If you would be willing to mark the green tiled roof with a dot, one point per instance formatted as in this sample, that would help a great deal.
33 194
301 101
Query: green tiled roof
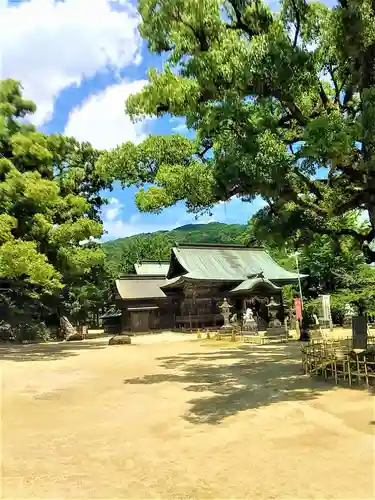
140 288
250 284
151 268
226 263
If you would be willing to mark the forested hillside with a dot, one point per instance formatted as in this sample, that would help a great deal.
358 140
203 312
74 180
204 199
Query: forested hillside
157 245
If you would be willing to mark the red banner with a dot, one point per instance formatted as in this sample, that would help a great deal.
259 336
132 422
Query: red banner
298 306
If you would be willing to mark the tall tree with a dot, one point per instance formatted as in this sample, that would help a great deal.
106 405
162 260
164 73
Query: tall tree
325 261
357 288
151 247
49 204
283 105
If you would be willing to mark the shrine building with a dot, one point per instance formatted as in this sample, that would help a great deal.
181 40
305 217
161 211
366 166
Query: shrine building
186 292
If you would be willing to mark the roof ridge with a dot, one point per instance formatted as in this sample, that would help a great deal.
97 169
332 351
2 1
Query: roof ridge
218 245
140 277
153 262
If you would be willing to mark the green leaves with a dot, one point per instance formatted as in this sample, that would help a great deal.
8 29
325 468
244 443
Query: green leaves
155 98
7 224
138 164
72 233
30 147
155 247
358 289
329 137
49 204
273 99
22 258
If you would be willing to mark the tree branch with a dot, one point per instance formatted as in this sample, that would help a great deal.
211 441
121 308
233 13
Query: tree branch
199 34
314 189
331 72
284 121
321 229
348 96
239 24
206 146
371 235
349 171
323 95
351 204
292 107
298 23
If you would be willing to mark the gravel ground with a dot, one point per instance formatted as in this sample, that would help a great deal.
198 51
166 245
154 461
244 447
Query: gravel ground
186 419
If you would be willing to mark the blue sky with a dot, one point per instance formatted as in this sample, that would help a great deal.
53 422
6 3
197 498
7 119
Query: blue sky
79 60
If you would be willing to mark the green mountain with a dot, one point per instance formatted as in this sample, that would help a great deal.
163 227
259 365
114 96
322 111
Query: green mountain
213 232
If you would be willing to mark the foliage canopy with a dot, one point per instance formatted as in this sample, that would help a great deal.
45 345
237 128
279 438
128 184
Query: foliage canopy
282 105
49 204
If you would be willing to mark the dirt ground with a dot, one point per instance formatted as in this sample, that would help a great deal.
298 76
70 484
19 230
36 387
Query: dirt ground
187 419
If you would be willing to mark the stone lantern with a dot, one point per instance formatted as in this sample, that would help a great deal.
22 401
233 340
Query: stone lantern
273 308
225 308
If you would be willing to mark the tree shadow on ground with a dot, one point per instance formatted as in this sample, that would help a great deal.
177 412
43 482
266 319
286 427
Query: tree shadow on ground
48 351
233 380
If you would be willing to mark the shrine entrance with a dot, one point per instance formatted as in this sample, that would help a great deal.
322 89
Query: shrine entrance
143 319
140 321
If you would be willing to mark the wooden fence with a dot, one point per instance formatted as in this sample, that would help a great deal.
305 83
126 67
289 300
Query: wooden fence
335 359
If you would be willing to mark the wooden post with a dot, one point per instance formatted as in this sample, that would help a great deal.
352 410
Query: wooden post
365 369
335 368
358 370
349 371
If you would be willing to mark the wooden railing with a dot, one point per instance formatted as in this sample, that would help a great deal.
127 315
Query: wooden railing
335 359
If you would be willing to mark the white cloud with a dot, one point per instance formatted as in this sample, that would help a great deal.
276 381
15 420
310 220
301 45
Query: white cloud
178 125
101 119
120 228
116 226
112 211
50 45
113 201
232 212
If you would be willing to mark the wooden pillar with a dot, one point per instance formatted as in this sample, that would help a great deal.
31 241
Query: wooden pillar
281 308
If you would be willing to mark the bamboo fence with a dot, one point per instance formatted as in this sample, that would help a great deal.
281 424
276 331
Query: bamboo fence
335 359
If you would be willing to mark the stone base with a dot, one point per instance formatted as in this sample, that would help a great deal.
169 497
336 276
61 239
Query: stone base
227 327
315 333
75 336
323 323
120 339
276 331
251 326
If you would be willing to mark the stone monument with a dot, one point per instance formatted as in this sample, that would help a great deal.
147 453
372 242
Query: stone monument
69 332
325 312
359 332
